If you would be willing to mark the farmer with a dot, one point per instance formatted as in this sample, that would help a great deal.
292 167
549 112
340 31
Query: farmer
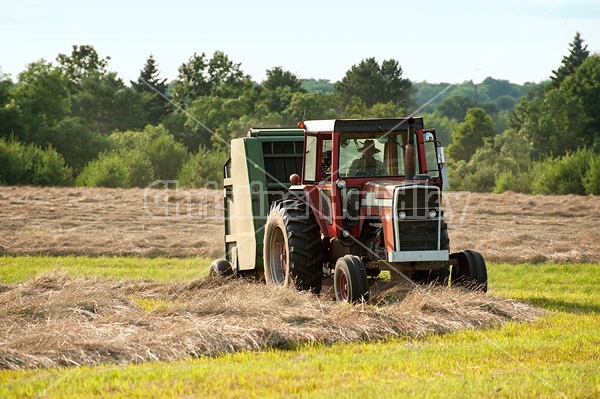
367 164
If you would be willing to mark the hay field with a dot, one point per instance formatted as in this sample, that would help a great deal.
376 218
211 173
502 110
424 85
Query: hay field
60 320
97 221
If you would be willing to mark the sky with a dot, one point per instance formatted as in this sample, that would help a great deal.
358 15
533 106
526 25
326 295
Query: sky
433 40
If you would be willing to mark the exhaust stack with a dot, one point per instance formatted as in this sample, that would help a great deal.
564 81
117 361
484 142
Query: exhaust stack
410 155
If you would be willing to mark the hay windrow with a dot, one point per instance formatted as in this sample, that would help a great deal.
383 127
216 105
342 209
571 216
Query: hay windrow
58 320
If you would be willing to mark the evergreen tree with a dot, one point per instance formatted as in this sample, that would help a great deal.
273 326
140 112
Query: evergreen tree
154 90
577 54
583 88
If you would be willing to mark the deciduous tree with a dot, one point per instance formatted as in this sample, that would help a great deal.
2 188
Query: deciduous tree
83 61
106 104
10 123
374 83
277 77
218 76
470 134
42 100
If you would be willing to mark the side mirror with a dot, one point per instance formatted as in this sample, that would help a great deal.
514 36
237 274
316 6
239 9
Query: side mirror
440 155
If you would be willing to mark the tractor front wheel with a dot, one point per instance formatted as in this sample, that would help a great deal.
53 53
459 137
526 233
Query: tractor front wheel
292 249
350 280
470 271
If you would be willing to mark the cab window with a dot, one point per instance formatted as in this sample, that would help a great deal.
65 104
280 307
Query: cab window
310 159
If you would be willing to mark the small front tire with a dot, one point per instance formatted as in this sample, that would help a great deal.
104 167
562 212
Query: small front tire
471 270
350 280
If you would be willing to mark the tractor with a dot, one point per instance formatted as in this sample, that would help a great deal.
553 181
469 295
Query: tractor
346 198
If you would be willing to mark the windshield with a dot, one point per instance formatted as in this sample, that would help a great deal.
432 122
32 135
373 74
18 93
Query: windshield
372 154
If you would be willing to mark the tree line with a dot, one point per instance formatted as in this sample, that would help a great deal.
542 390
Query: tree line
551 144
74 121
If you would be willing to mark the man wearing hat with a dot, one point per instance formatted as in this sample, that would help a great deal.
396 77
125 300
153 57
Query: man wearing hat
367 165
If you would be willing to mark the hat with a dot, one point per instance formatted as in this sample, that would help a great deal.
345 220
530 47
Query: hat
368 144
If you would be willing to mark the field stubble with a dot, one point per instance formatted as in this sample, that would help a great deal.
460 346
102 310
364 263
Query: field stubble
508 227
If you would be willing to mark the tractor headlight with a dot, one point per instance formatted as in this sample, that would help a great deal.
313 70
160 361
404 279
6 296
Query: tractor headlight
341 184
432 214
401 215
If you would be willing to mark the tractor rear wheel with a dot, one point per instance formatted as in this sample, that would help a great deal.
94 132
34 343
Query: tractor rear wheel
292 249
350 280
220 268
471 270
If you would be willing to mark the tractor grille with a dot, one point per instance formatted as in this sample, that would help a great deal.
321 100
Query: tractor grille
418 235
415 231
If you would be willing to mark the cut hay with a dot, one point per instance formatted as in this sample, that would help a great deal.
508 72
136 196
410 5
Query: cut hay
508 227
57 320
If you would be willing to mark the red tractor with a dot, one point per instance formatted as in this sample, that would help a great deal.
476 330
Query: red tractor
367 198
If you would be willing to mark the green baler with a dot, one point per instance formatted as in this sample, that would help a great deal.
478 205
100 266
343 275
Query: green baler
256 174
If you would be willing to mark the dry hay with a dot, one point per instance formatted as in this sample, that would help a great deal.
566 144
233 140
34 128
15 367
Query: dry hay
58 320
100 221
519 228
110 221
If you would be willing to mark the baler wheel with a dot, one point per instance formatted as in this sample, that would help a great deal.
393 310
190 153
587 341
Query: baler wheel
350 280
220 268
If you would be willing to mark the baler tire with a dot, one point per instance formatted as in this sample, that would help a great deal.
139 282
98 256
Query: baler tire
292 248
350 280
220 268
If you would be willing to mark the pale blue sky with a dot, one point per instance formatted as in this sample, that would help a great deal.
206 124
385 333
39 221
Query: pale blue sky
437 41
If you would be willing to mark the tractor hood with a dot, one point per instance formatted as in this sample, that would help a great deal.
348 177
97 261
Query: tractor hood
379 193
383 189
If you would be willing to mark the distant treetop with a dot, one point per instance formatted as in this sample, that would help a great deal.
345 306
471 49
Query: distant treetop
577 54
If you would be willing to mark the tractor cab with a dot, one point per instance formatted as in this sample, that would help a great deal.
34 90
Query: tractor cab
349 161
370 148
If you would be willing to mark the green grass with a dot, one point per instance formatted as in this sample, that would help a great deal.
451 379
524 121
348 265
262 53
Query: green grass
557 356
21 268
565 287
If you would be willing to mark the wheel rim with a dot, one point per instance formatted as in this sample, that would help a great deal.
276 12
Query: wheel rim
343 286
278 264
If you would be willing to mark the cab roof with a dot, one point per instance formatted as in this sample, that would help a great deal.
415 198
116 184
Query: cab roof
362 125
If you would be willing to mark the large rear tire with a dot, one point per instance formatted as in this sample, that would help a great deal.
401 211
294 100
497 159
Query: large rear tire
292 248
350 280
471 270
